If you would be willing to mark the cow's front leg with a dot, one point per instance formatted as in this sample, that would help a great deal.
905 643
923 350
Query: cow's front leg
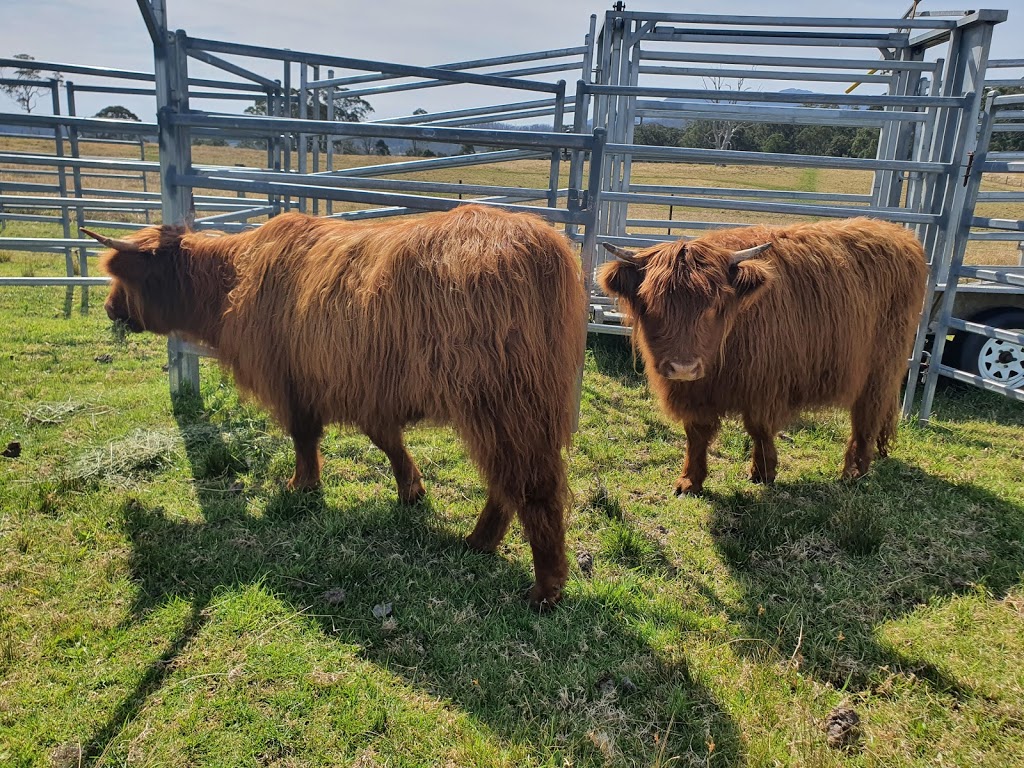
695 467
765 459
306 432
407 474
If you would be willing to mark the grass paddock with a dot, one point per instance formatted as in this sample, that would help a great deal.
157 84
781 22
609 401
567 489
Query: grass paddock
164 602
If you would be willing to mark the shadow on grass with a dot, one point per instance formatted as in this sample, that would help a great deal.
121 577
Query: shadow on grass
338 561
824 565
613 356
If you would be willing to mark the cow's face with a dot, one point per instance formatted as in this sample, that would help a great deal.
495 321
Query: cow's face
683 299
144 283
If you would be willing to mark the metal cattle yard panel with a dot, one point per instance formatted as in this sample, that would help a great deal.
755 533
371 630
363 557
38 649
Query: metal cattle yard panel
657 67
647 64
1000 358
300 134
639 66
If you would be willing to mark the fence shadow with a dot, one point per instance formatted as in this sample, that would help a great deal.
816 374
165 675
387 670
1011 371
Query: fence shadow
453 607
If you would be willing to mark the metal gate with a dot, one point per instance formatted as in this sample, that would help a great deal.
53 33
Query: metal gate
658 66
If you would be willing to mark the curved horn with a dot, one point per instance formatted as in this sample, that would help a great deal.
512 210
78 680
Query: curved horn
623 255
748 253
117 245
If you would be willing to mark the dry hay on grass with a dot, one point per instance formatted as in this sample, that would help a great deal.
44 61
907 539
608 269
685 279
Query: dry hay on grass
58 413
120 461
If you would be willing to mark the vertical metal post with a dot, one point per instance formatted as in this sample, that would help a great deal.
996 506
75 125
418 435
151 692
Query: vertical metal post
588 251
303 114
330 139
76 178
556 153
62 184
142 175
921 193
317 139
576 157
171 71
961 234
286 112
883 182
631 61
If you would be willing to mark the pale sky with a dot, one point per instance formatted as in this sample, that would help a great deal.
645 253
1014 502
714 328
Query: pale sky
111 32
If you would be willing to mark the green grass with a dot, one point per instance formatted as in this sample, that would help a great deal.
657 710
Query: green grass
164 602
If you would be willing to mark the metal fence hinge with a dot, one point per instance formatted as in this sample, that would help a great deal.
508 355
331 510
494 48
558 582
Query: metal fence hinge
970 165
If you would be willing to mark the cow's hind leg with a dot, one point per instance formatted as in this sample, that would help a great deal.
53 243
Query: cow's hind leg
695 466
306 430
542 515
530 482
492 525
873 421
765 459
407 474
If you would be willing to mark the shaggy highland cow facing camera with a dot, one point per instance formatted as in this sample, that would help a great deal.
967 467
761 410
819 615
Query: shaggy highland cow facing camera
473 318
765 322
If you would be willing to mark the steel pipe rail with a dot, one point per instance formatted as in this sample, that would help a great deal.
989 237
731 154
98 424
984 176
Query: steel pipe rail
274 125
261 52
799 209
735 157
435 163
838 99
891 65
927 22
363 196
779 115
781 194
355 182
55 281
557 53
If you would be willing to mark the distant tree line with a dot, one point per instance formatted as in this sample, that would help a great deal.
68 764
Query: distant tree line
1011 141
825 140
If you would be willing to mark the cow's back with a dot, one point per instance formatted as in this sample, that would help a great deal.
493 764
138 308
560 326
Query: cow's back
424 318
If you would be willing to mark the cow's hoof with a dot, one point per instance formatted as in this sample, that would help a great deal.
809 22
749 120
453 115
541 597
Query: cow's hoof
479 544
759 479
853 473
686 487
297 485
413 493
544 600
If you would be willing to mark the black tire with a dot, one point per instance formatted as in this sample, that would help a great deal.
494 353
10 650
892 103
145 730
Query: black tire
997 361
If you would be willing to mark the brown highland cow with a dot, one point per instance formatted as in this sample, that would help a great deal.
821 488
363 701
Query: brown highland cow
764 322
473 318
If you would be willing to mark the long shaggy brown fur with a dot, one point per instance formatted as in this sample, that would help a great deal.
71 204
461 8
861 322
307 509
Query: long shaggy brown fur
825 317
473 318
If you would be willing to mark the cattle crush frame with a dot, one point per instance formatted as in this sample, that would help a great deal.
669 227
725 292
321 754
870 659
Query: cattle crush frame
637 66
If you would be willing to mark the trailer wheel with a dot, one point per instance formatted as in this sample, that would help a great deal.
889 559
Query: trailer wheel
1000 362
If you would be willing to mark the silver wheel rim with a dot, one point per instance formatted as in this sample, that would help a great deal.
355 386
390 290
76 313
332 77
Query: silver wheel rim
1002 362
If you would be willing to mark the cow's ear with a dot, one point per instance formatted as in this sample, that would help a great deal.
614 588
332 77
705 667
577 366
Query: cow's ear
749 277
621 279
128 266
